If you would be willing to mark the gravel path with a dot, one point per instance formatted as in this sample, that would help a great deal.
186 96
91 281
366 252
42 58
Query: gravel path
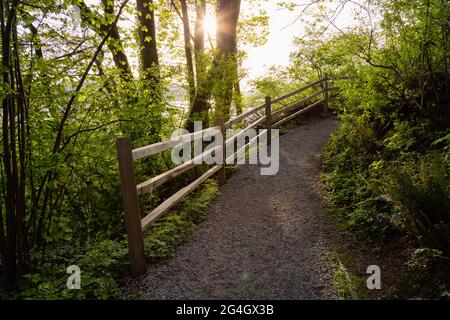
265 237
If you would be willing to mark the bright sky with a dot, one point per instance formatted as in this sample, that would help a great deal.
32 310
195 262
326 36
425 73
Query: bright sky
279 43
283 28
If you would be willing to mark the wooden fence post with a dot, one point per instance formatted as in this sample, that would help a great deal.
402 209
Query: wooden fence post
325 94
269 119
221 175
131 207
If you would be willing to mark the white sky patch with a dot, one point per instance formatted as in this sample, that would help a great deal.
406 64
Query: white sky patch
284 26
279 43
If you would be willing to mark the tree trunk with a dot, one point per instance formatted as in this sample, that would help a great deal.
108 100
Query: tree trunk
200 54
199 33
147 43
188 50
237 94
115 45
222 69
227 19
14 139
199 106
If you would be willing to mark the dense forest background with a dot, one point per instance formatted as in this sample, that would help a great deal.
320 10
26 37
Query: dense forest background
77 74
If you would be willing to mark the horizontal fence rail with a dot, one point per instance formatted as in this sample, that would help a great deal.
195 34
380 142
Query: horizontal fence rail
293 93
131 191
174 199
163 146
244 115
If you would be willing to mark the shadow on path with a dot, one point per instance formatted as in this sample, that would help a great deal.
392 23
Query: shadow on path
264 236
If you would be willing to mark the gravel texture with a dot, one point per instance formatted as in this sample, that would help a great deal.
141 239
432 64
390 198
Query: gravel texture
265 237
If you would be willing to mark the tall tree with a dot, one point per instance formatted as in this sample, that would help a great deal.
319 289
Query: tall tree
200 54
199 34
14 140
188 49
147 43
199 105
227 19
221 75
102 26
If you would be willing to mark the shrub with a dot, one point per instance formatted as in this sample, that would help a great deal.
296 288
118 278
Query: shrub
421 193
352 177
103 263
100 264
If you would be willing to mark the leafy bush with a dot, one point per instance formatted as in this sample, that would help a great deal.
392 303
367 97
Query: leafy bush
428 273
103 263
348 286
352 177
100 265
421 194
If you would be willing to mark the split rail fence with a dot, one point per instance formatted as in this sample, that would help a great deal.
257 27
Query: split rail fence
131 191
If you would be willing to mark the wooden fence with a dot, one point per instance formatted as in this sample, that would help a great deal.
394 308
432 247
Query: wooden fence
131 191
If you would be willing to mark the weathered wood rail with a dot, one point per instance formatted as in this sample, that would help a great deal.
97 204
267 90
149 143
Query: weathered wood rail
135 225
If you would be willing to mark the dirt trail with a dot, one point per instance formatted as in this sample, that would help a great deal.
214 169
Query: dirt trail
264 237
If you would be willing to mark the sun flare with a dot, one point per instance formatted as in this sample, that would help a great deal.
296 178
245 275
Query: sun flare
210 25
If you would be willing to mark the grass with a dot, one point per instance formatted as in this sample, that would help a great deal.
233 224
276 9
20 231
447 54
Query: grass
172 230
347 285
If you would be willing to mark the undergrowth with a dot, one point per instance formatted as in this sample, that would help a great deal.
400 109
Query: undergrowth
348 286
103 264
376 195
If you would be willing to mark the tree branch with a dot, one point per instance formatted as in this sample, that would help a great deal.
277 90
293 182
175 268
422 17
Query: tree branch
56 146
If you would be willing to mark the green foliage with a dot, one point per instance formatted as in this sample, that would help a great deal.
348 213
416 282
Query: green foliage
103 263
353 178
253 28
173 229
387 166
428 273
100 264
421 193
347 285
73 86
63 176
